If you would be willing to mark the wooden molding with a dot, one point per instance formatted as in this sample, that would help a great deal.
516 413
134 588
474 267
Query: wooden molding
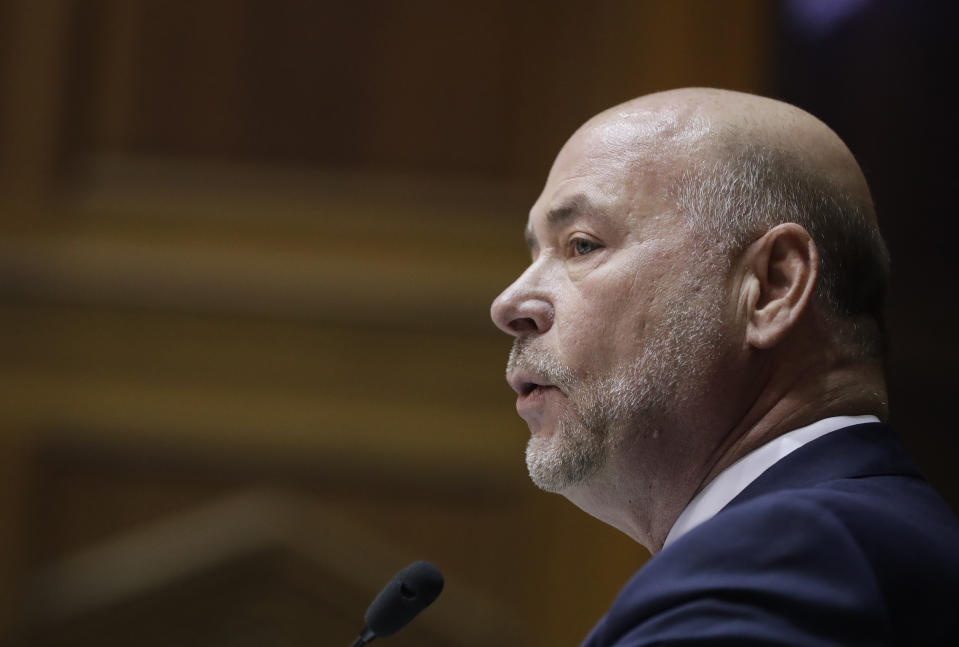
221 240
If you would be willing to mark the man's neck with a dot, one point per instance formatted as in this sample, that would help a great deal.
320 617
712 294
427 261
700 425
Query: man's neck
847 389
729 483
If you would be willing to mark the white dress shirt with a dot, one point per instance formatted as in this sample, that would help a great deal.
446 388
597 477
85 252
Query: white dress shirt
734 479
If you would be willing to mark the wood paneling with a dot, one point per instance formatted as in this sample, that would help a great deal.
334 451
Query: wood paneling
253 244
34 91
481 89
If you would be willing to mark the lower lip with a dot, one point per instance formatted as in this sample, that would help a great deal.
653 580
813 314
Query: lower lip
535 399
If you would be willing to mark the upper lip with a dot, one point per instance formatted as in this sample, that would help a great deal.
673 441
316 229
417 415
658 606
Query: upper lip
523 382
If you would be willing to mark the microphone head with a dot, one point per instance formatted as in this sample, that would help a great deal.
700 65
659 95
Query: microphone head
409 592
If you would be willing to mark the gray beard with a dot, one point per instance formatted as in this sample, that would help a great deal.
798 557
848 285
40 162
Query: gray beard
636 399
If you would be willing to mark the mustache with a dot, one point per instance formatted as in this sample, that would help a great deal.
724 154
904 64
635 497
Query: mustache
524 357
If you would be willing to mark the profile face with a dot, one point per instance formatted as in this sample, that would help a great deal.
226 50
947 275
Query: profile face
607 315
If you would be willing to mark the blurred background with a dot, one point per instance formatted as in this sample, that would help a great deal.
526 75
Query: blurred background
247 249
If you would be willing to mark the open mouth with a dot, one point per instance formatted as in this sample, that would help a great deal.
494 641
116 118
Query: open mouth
529 385
526 388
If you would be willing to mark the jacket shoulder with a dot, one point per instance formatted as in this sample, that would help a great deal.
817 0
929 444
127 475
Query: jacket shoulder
794 564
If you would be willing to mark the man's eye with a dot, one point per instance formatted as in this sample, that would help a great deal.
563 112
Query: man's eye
582 246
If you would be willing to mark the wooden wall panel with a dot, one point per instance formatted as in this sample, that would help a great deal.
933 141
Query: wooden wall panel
486 89
34 93
252 243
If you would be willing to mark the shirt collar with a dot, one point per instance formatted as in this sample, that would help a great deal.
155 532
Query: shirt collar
734 479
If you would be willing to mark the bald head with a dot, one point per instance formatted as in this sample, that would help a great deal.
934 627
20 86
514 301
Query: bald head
689 126
734 165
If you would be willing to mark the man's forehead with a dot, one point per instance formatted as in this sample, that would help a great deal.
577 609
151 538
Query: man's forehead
587 176
626 157
599 184
626 147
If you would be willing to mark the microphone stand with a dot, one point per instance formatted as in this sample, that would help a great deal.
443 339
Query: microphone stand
365 638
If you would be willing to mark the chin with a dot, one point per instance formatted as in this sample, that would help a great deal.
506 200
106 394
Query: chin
563 461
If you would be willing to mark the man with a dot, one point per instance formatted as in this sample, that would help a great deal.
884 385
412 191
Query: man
698 357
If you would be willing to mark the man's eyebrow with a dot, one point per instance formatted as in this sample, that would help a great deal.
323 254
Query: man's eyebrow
559 215
569 208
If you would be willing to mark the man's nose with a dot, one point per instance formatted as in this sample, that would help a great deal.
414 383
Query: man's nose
522 309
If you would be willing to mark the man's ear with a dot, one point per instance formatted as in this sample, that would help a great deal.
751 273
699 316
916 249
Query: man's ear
780 271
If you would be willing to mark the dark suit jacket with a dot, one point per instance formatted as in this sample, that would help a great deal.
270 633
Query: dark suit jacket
839 543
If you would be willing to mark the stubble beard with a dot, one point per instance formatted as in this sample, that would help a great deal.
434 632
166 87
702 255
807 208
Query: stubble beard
637 399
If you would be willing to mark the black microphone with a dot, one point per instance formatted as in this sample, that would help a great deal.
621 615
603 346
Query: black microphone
409 592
